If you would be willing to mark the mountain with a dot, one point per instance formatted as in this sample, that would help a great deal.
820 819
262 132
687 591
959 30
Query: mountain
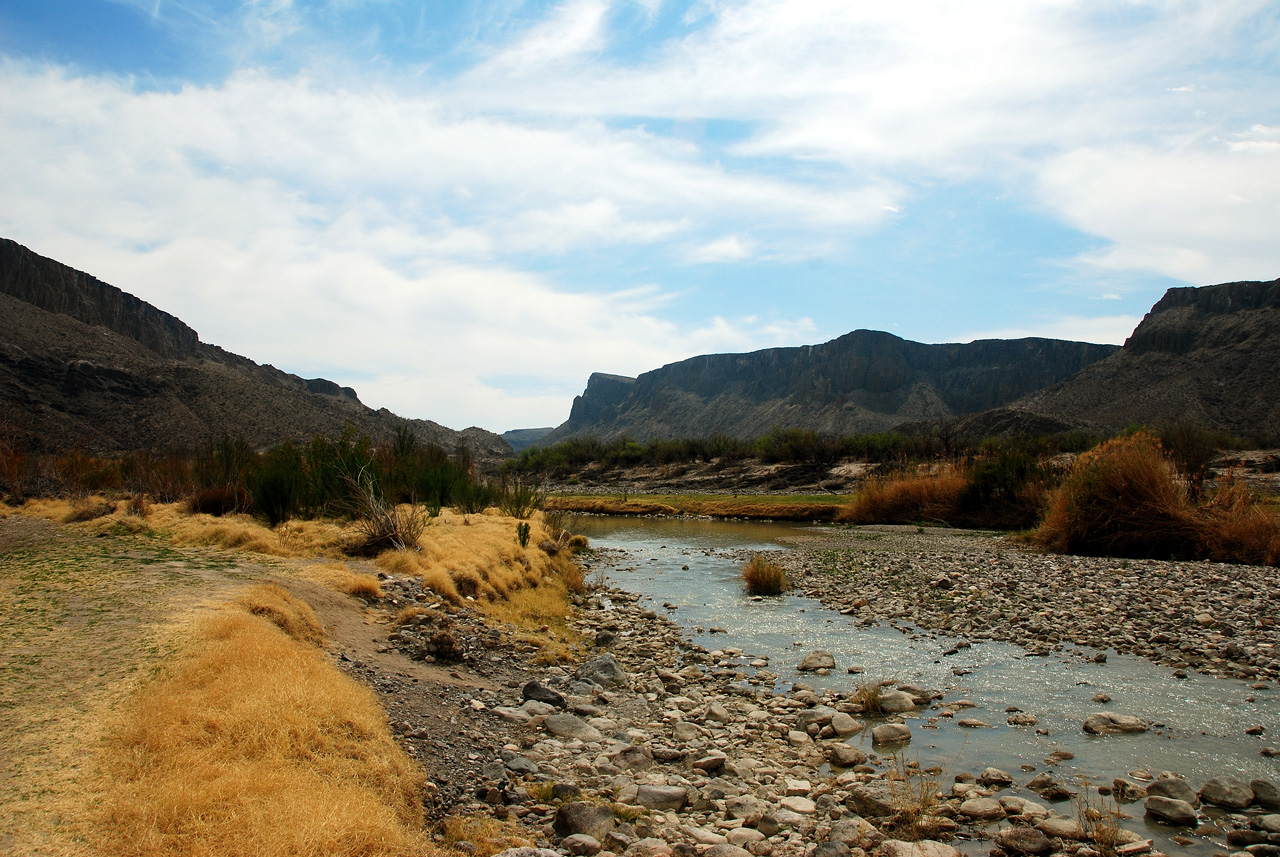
1207 355
525 438
84 365
864 381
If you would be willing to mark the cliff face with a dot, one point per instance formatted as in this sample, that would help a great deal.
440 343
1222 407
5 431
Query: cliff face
84 365
1207 355
864 381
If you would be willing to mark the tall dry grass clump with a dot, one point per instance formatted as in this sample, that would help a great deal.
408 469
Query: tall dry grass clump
763 577
909 500
251 744
1235 527
1121 498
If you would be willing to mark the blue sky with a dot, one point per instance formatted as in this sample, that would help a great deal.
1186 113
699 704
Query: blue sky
463 209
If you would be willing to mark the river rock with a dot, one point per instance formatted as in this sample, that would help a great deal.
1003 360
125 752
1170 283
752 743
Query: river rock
844 725
896 702
518 764
1265 793
726 850
650 846
856 832
877 799
891 733
603 670
923 848
982 808
685 731
1227 792
1028 809
525 851
536 690
744 836
581 845
571 726
819 716
832 848
1176 812
994 777
634 757
746 807
1061 827
1109 723
661 797
1126 792
817 660
845 755
1173 787
800 805
1269 823
1024 840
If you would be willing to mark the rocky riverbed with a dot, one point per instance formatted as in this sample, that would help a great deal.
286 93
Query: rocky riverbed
1210 617
657 746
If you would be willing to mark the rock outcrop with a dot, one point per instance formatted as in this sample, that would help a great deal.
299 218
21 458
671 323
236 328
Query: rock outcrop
865 381
84 365
1206 355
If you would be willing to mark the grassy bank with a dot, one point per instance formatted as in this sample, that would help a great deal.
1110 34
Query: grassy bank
757 507
163 697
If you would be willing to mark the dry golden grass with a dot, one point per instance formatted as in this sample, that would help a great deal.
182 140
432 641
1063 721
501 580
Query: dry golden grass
291 615
1236 527
340 578
910 500
251 743
485 833
763 577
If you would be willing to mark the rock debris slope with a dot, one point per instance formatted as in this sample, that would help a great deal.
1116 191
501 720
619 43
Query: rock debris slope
84 365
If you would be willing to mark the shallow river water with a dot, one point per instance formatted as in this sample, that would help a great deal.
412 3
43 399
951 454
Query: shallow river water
1201 721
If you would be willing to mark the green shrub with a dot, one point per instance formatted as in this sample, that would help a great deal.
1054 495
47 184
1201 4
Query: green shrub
517 499
278 483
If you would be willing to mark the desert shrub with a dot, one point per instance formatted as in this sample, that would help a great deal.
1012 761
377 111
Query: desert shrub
1121 499
278 484
138 506
88 509
869 695
909 500
763 577
1235 527
82 475
223 463
219 501
382 523
165 478
1191 448
522 534
473 497
1006 491
519 499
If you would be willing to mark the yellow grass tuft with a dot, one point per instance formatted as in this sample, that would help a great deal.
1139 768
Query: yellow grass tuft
763 577
291 615
909 500
252 743
488 835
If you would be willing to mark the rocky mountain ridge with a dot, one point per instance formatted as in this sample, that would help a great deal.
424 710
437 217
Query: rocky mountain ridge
85 365
1204 354
864 381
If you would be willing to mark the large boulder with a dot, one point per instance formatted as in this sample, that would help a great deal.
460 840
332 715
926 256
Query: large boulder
1179 813
604 671
661 797
1265 793
891 733
570 726
1110 723
1227 792
877 798
1024 840
815 661
589 819
1173 787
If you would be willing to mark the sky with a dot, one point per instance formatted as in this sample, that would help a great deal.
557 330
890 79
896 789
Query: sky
462 209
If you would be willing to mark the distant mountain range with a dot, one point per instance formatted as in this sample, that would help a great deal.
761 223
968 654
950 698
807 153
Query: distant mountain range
1208 355
84 365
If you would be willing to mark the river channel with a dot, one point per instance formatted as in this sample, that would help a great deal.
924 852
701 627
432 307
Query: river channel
696 565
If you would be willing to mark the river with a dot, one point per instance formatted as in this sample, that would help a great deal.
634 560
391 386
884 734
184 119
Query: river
695 565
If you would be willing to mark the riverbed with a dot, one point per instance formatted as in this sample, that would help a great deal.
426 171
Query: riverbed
694 568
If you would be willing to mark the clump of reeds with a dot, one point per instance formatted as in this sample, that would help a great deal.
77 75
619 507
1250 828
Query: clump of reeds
1121 498
764 577
908 500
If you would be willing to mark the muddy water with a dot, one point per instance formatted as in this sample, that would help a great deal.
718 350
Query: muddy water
1200 721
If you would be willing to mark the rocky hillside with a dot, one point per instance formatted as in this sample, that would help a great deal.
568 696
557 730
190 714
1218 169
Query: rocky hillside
865 381
1208 355
84 365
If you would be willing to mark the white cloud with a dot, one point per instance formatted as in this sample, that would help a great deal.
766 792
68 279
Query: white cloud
731 248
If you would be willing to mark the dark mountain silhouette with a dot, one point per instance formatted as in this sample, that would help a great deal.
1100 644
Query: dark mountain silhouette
84 365
864 381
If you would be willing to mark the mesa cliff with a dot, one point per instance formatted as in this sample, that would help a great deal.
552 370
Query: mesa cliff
864 381
87 366
1205 355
